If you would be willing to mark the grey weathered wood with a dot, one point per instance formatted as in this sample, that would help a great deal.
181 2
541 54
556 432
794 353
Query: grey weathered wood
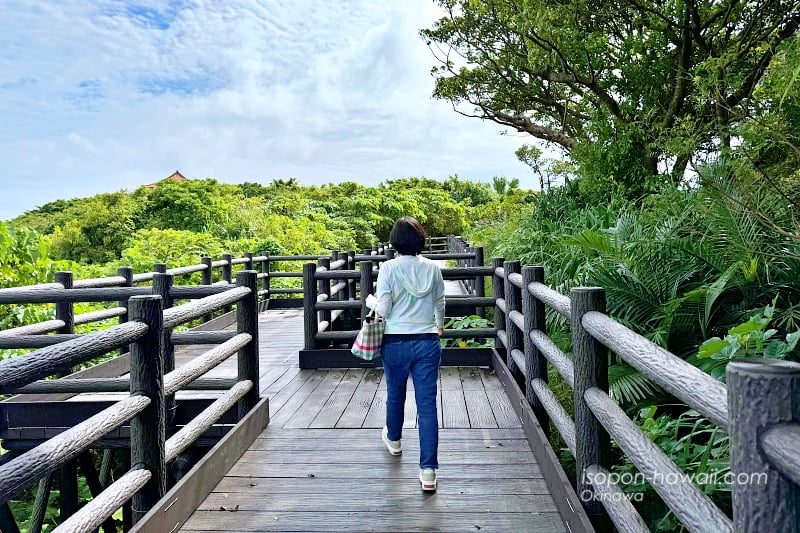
338 274
159 268
100 508
40 504
333 409
198 366
37 341
555 412
366 286
23 369
779 444
121 384
570 510
592 444
148 427
247 324
181 271
207 279
65 311
96 316
681 379
46 457
689 503
533 312
144 276
23 289
619 507
324 288
162 285
201 337
310 325
339 304
189 433
554 299
43 296
95 487
498 290
264 275
189 311
227 275
555 356
7 521
33 329
184 292
182 499
68 489
126 273
762 393
112 281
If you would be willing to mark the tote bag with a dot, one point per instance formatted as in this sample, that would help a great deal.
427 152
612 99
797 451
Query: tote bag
367 345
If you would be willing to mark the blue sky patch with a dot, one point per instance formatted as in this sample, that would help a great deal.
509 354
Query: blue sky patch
149 17
198 85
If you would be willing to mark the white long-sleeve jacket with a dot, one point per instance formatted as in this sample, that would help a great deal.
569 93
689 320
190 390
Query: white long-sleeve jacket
410 294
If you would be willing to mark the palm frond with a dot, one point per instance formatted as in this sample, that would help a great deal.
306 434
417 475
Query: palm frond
629 386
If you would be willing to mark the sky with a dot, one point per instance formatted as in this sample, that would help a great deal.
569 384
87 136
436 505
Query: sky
99 96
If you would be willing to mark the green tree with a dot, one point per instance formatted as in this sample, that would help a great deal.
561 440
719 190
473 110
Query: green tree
625 88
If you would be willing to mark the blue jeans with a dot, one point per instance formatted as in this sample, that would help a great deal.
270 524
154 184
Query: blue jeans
420 356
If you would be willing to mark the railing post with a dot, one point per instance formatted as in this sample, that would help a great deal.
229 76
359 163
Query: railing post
249 264
498 289
761 393
147 428
310 324
160 268
366 285
265 281
247 322
480 289
162 283
335 256
535 364
513 334
208 277
352 292
127 273
65 310
389 252
68 501
227 269
590 357
325 288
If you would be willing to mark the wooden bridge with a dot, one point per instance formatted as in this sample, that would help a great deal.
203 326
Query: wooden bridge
286 435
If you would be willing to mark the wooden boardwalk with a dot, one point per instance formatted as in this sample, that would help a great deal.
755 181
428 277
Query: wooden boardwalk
321 466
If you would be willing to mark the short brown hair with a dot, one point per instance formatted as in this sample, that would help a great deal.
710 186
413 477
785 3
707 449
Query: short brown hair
408 236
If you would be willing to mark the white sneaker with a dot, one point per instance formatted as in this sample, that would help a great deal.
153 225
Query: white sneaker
427 478
394 446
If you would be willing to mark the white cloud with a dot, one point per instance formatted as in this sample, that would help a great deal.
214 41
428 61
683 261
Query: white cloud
99 96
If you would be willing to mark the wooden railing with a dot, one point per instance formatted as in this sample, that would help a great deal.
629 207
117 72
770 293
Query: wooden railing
759 408
152 384
336 296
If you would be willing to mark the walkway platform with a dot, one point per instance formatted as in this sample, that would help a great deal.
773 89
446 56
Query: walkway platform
321 466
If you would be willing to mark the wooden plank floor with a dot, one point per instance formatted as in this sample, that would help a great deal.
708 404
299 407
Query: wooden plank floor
321 466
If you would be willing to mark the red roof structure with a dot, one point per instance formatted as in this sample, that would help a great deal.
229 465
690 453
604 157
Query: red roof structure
176 176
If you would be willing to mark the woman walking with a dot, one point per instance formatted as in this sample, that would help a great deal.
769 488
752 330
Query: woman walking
410 294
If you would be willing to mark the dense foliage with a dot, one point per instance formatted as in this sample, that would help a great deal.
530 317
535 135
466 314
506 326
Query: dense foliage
176 220
630 89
